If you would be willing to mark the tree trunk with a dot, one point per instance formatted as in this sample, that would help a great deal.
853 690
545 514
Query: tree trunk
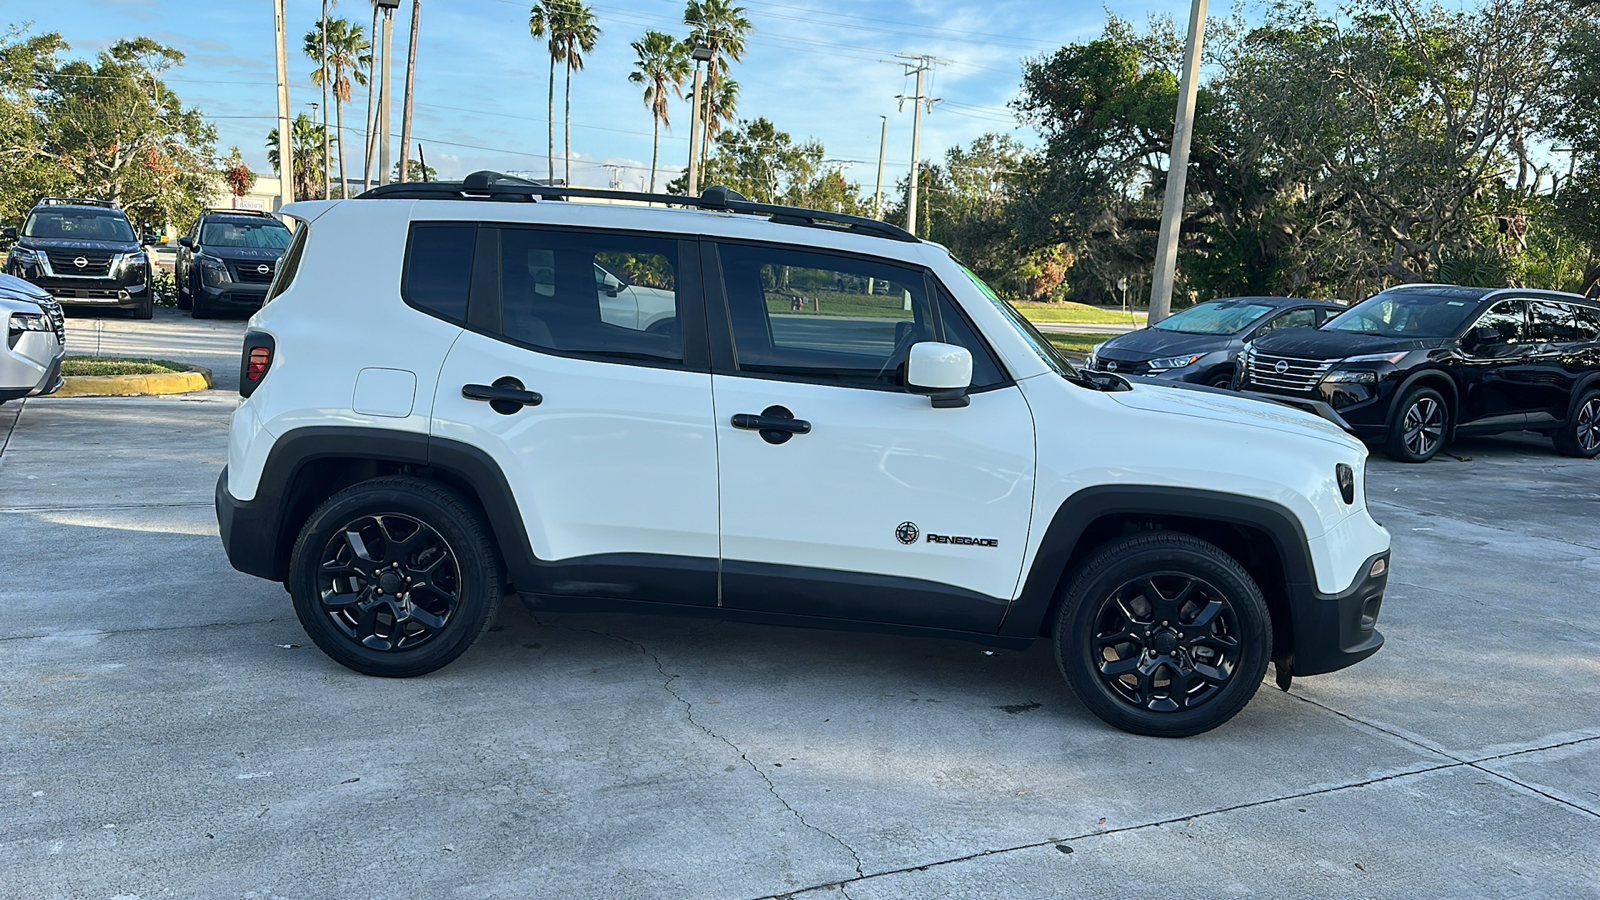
325 159
338 109
366 174
405 114
551 157
655 154
566 146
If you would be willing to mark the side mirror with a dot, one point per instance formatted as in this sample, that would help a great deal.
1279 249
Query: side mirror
149 237
1483 336
186 242
941 372
8 233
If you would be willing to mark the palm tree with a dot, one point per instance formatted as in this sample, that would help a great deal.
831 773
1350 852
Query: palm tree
305 140
543 22
323 59
721 27
716 108
350 57
663 62
579 33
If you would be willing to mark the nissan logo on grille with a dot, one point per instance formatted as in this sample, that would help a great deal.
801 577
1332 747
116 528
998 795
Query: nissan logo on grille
1111 365
263 269
80 262
1281 367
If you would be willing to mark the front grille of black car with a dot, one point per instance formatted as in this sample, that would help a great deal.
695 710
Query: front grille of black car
249 272
1283 373
1121 366
97 264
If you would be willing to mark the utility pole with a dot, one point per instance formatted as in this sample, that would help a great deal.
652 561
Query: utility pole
918 63
372 80
405 115
1178 172
327 158
285 137
883 142
386 92
700 55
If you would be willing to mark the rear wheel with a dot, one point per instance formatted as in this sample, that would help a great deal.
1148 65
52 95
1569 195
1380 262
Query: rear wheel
1163 634
395 576
1580 436
1419 427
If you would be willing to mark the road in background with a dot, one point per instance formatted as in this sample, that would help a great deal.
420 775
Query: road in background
172 335
168 729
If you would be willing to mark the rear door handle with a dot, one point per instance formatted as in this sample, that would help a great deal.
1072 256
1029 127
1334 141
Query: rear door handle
506 396
775 423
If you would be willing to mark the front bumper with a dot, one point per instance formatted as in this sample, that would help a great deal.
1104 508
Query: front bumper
241 296
32 368
105 293
1333 631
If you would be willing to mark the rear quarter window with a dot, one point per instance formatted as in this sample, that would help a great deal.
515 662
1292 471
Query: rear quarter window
438 269
291 262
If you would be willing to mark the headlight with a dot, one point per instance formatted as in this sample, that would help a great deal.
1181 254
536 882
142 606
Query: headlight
1095 350
1390 358
22 256
21 322
1174 362
214 271
1346 376
132 261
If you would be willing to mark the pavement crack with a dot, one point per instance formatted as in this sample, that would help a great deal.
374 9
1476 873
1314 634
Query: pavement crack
688 707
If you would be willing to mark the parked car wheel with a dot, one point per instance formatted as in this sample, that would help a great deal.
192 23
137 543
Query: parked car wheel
1580 436
1221 380
1420 426
198 307
1163 634
395 576
184 298
145 310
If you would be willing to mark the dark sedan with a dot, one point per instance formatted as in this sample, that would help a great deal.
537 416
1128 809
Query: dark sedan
1201 344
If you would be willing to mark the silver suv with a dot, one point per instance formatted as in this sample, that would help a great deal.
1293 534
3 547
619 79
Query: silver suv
36 340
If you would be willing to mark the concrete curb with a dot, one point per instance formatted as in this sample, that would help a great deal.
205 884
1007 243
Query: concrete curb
197 378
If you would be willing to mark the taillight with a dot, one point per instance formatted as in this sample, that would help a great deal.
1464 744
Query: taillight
259 349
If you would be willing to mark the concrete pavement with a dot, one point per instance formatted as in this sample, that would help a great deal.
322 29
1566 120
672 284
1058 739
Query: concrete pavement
167 730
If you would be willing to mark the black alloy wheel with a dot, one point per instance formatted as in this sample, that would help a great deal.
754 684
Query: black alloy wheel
396 576
1419 429
1580 436
1163 634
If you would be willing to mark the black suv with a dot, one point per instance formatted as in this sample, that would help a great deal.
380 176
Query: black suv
226 261
85 253
1414 366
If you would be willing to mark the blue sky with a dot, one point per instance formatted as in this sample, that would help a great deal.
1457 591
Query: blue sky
811 67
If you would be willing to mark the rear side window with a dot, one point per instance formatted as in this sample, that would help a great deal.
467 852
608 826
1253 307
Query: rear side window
438 271
291 262
1588 322
589 294
1552 323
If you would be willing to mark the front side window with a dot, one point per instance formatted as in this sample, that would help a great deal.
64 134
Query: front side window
262 235
590 294
1294 319
78 225
1500 329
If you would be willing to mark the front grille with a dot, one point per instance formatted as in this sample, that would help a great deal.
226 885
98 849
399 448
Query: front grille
248 272
1122 366
58 319
97 264
1283 373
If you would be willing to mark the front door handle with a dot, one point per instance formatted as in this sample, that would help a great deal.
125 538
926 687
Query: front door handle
775 423
506 396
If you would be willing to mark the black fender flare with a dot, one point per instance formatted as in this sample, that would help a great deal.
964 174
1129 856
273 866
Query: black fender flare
1452 396
1586 383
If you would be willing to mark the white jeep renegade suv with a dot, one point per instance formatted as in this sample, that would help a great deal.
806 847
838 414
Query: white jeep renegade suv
751 412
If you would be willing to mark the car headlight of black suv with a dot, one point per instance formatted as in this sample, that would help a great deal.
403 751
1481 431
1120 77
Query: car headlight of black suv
214 271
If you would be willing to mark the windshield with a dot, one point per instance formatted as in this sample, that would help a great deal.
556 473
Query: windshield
246 235
78 225
1216 317
1042 347
1406 313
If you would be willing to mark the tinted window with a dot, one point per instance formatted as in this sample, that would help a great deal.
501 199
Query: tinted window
1587 321
591 294
1214 318
823 317
986 370
290 265
1292 319
439 269
1506 320
254 235
78 225
1553 323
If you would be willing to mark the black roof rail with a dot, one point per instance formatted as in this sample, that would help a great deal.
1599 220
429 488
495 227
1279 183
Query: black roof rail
78 201
220 211
497 186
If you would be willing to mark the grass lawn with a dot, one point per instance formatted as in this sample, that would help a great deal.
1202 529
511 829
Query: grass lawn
110 365
1081 313
1076 345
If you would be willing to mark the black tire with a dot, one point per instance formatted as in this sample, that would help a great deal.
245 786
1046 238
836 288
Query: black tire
199 308
145 310
1221 380
1211 668
184 297
1580 434
384 621
1421 425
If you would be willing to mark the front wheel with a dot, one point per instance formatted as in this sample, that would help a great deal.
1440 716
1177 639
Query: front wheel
1163 634
1419 427
1580 436
184 296
395 576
